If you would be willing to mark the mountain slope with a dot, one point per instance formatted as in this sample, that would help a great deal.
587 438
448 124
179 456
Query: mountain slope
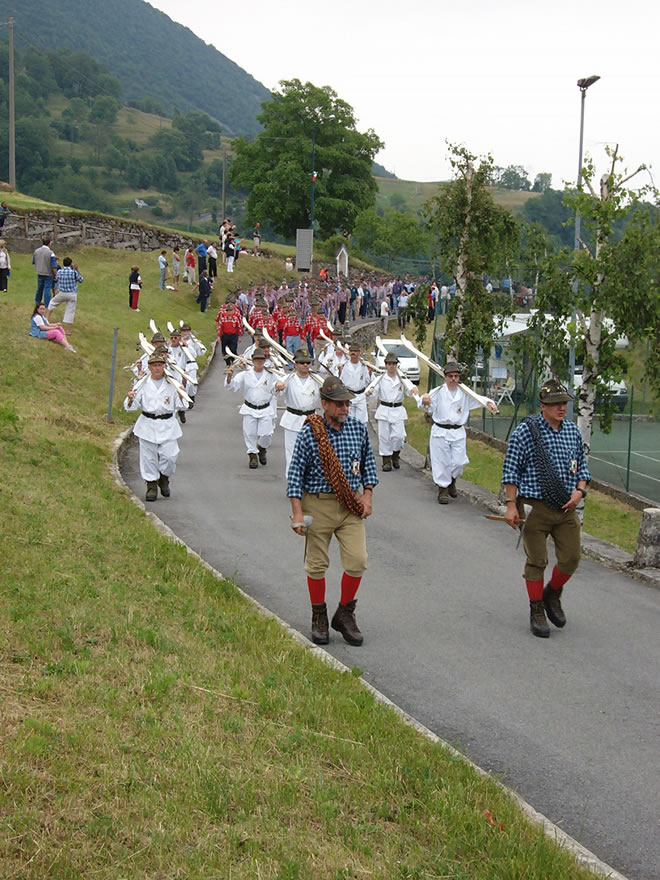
148 52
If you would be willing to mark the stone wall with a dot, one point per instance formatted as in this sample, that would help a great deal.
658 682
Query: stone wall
24 231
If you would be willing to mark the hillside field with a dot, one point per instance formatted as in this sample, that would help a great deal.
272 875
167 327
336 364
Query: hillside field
415 194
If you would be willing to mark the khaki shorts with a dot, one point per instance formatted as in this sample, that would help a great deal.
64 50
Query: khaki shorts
332 518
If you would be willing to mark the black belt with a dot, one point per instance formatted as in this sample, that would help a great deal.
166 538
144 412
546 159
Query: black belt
385 403
161 416
449 427
255 406
300 412
357 390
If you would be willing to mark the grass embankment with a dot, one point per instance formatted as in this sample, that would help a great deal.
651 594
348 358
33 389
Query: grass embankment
604 516
153 724
414 193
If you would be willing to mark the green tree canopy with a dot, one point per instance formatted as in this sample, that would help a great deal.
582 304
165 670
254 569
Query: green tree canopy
277 166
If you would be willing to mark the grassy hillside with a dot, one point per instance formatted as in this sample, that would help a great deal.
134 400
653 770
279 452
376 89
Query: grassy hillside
153 724
415 193
148 52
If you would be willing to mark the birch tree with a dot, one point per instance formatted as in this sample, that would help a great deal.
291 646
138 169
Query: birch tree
473 236
607 288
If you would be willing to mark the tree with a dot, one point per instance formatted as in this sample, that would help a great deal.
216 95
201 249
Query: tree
474 236
104 109
542 182
277 166
514 177
393 234
610 286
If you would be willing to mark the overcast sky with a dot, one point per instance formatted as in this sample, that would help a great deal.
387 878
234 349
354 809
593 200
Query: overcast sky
497 77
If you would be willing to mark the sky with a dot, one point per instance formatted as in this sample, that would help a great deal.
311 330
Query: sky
499 78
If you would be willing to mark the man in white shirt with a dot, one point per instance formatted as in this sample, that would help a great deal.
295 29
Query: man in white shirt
302 398
356 376
450 409
257 387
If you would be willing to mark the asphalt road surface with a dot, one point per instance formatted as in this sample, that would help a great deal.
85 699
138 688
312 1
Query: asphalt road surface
571 722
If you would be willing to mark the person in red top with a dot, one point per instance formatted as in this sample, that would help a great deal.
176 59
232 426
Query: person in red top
230 328
280 314
189 265
314 324
292 332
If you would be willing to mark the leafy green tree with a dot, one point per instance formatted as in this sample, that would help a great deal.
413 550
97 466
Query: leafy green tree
542 182
514 177
104 109
473 237
391 235
277 166
608 287
398 202
552 212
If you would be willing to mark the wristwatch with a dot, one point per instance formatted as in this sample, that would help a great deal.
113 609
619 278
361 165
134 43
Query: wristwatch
584 491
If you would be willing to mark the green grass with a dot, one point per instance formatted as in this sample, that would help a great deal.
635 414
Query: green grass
415 193
153 724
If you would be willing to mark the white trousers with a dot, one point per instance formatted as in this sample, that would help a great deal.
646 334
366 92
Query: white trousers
258 432
448 458
391 436
290 438
230 264
358 409
157 459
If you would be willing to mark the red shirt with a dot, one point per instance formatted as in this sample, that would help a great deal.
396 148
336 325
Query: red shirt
313 325
291 326
229 324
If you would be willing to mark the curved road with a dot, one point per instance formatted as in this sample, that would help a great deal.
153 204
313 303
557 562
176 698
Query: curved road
571 722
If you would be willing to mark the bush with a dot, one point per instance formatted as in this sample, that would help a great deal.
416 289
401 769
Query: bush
157 211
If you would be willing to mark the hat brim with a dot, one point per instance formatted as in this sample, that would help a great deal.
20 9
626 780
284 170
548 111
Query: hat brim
336 396
559 397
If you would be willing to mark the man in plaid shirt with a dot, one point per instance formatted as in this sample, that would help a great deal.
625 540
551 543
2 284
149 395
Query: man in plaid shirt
67 280
527 481
318 513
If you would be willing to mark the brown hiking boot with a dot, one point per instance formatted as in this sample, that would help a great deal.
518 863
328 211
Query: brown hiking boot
553 606
152 490
254 461
451 488
443 495
395 460
387 462
320 635
344 622
164 485
262 455
537 622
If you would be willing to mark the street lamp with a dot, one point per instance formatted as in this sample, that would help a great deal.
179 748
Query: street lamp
583 85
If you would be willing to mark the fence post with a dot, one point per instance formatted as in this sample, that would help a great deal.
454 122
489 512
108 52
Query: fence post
632 397
112 372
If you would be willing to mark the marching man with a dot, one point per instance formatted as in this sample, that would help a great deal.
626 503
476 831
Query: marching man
156 428
391 414
301 394
356 376
450 409
257 387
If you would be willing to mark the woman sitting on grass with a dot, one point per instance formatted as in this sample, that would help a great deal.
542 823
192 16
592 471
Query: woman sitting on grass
41 329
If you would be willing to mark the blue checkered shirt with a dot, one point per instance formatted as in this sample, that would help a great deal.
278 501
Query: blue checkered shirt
350 442
68 280
565 448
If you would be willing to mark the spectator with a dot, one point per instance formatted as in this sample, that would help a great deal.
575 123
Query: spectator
43 261
189 265
256 238
212 254
288 264
201 251
162 265
230 251
40 328
176 266
384 314
68 279
134 286
204 289
5 265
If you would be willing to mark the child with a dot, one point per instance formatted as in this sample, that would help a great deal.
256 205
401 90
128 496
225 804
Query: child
134 285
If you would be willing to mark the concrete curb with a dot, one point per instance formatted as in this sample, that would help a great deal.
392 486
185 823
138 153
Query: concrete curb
584 856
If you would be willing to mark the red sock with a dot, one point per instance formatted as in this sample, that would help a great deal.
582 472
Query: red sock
316 587
558 579
534 590
349 588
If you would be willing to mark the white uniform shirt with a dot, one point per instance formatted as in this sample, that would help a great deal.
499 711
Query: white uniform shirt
391 390
302 394
156 397
355 376
257 389
449 408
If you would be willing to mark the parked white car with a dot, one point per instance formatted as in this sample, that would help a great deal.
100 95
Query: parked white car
618 390
408 362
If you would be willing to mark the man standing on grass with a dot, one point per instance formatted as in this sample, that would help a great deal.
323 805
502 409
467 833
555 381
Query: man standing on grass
201 250
545 471
331 478
45 267
68 279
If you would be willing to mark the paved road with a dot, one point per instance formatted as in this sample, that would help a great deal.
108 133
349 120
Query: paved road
570 723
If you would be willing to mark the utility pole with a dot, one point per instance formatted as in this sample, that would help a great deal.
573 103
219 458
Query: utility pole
224 188
12 111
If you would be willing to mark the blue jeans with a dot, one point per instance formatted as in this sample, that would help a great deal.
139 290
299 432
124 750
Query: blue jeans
161 283
292 344
44 289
